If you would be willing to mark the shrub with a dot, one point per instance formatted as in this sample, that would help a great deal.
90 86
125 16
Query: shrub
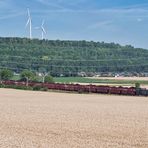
2 85
44 89
49 79
37 87
137 85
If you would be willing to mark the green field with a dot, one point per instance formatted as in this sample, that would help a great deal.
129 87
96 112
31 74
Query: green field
105 81
90 80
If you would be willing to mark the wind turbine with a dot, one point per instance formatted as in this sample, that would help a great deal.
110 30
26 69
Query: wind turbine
43 32
43 29
29 23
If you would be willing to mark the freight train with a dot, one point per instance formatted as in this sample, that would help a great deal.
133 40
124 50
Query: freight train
83 88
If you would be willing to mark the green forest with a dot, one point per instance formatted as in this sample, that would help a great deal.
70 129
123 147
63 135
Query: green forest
70 57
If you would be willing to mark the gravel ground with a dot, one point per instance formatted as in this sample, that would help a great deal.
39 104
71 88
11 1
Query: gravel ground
61 120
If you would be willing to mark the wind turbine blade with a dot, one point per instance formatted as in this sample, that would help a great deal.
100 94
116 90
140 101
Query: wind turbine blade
43 29
27 23
43 23
28 11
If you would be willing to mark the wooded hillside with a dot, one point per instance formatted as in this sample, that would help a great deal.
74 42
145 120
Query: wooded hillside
70 57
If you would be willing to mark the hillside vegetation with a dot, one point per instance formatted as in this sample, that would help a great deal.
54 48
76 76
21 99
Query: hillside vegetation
70 57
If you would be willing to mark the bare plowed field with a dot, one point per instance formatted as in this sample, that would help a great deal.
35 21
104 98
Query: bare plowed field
59 120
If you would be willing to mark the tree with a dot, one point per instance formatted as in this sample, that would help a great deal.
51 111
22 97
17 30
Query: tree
43 73
28 75
6 74
49 79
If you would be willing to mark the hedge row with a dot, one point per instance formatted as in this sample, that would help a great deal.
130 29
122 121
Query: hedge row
35 88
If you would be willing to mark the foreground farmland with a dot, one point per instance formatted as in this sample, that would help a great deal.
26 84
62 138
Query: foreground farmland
58 120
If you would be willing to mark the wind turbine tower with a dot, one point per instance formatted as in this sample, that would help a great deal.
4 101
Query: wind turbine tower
29 23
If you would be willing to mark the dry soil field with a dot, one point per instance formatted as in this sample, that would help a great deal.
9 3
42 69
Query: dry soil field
58 120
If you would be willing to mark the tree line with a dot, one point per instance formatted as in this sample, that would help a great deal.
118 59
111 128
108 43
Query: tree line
25 76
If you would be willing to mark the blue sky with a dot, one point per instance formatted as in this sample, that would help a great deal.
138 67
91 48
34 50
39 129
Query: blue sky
119 21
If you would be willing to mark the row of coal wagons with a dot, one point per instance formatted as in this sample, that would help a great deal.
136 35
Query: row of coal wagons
91 88
84 88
